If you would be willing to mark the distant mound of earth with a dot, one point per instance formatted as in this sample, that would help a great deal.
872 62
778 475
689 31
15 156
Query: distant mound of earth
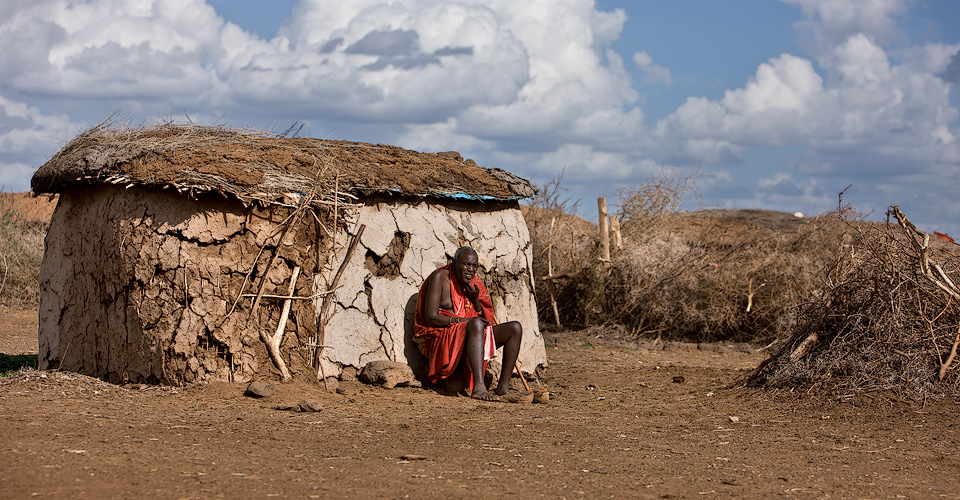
33 209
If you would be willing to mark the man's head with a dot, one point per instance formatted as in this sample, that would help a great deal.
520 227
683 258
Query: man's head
465 265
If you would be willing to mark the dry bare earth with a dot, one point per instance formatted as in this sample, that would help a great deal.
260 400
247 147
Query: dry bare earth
622 426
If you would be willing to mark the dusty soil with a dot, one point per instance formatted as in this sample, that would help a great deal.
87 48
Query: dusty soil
628 420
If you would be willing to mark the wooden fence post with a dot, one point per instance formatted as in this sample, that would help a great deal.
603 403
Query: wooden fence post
604 230
617 237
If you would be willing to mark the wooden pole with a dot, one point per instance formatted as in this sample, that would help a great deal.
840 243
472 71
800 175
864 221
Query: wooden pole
553 300
617 237
604 230
273 342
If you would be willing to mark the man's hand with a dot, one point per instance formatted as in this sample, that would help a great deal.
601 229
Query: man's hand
473 293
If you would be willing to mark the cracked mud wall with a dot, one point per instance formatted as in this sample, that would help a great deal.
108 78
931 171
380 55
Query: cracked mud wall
136 285
401 245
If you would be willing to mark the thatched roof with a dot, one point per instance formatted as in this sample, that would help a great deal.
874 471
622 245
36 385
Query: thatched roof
256 167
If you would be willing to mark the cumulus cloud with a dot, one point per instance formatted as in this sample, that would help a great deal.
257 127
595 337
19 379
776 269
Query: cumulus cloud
828 23
500 71
865 106
952 72
652 73
526 87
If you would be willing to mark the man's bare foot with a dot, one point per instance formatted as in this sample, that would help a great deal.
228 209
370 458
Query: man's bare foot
484 396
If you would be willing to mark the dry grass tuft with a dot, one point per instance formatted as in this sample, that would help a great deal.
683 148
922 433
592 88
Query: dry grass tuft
21 250
646 208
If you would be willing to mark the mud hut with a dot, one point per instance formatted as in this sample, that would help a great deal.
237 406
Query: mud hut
181 254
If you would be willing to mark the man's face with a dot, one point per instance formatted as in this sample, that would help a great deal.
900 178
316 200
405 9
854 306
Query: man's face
465 267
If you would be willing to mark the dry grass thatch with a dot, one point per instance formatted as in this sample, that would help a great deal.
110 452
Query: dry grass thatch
887 319
256 167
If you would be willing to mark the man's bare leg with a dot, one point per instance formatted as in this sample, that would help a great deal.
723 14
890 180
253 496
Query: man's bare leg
474 351
509 336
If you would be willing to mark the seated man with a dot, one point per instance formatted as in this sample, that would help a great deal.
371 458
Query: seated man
454 324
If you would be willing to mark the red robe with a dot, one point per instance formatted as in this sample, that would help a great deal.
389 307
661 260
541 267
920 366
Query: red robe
443 346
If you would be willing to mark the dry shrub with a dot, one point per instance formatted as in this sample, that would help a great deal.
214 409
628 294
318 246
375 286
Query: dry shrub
646 208
701 277
21 250
887 319
711 275
564 247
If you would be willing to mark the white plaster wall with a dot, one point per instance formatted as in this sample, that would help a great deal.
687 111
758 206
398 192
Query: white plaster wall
372 317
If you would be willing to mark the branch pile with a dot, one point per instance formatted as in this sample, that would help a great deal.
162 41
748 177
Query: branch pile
886 319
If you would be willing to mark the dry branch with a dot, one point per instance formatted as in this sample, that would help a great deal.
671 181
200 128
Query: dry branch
953 354
273 342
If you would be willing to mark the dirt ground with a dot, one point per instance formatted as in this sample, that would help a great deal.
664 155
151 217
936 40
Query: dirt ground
628 420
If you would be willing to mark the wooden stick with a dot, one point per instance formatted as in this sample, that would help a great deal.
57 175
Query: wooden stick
558 276
5 269
291 297
523 379
287 224
273 342
266 270
246 279
804 347
63 356
553 300
953 353
617 235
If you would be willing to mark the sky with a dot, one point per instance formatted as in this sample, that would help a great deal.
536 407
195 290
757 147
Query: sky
777 105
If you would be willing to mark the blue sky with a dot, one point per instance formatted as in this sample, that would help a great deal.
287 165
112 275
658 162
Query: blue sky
779 104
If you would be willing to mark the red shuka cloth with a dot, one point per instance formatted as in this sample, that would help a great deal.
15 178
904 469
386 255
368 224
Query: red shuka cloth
443 346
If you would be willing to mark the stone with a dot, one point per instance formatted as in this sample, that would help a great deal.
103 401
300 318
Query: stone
331 384
349 374
259 389
386 373
310 405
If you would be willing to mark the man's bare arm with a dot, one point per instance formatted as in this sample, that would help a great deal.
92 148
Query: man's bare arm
433 299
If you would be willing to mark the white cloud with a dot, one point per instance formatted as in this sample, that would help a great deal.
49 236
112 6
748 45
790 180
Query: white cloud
534 86
442 135
652 73
27 134
502 67
830 22
866 106
110 48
